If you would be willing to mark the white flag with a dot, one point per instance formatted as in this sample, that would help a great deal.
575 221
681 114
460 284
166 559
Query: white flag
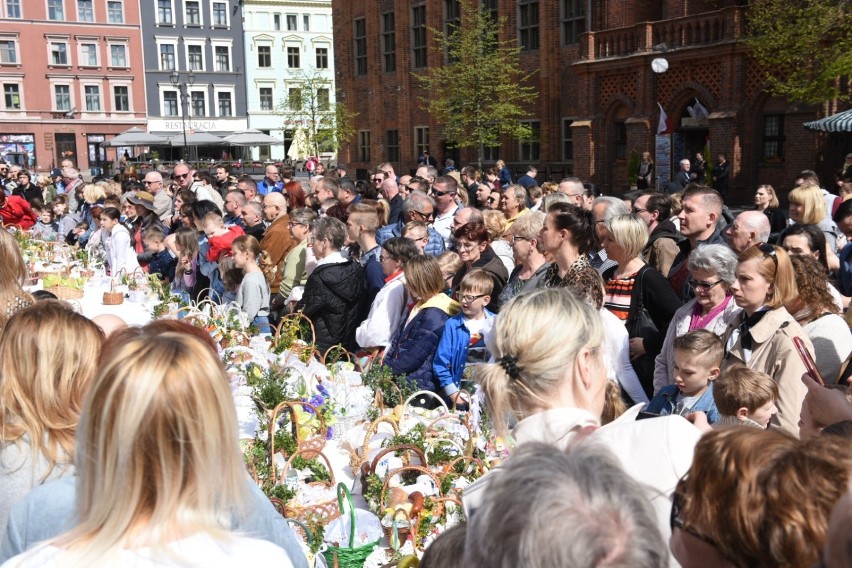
662 126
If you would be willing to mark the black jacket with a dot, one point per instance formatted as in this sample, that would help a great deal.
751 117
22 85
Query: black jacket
333 301
490 263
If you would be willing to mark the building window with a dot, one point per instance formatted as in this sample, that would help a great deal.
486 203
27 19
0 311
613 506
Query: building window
89 54
62 97
195 57
266 98
276 22
360 37
531 147
418 37
773 137
198 105
392 146
93 98
223 58
13 8
388 42
122 98
490 8
294 99
528 24
452 19
620 140
306 22
58 53
573 20
567 140
85 11
193 13
291 22
224 103
490 153
170 103
8 53
264 56
55 10
293 57
323 99
322 58
165 13
421 140
167 57
115 12
364 146
118 55
220 14
11 96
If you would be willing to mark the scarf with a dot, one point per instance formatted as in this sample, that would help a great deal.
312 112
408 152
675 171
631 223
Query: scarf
697 321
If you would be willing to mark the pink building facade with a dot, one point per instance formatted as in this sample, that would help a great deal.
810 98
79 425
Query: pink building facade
72 76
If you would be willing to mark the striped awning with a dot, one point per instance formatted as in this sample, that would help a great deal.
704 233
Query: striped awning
840 122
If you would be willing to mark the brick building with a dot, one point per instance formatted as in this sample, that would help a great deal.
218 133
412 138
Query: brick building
70 76
598 96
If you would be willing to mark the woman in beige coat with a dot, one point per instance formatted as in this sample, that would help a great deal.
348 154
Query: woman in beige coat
762 336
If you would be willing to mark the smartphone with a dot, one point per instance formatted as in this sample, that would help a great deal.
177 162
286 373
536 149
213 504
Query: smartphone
808 360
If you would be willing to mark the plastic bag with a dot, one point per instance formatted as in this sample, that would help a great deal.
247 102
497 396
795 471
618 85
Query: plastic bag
368 529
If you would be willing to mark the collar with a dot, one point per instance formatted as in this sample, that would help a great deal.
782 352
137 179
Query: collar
447 214
394 276
557 426
334 258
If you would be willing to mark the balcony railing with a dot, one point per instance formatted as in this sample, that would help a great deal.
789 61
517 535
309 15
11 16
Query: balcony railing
721 26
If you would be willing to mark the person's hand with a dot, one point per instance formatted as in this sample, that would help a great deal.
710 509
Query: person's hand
637 347
826 405
699 420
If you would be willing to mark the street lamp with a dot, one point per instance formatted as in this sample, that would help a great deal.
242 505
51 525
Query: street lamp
174 77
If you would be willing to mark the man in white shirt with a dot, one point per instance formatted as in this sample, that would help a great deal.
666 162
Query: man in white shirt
444 192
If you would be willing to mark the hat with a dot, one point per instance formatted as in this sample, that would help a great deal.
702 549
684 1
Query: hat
342 167
144 199
56 172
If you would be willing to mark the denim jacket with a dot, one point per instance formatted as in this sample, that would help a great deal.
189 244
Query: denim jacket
664 403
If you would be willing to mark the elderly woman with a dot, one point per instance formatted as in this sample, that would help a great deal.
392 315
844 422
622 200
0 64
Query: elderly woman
48 357
761 337
711 269
529 256
567 236
766 200
635 291
333 298
758 498
475 251
807 207
514 202
815 309
294 273
549 375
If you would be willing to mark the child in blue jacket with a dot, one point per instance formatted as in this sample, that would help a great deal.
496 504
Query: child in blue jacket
463 341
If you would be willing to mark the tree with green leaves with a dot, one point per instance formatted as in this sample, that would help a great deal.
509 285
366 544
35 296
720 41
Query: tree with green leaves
480 92
317 122
804 47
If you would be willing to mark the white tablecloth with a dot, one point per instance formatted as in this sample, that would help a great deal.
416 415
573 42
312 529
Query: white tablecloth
92 304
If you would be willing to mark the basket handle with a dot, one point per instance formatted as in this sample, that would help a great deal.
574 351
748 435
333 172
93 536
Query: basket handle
401 448
395 543
341 491
301 524
429 393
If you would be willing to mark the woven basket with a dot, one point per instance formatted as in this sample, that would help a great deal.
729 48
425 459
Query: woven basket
356 458
325 510
348 556
113 298
304 348
65 292
412 521
405 448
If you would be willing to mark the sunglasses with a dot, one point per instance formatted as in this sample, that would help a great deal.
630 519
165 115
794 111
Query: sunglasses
675 520
769 251
176 176
703 286
437 193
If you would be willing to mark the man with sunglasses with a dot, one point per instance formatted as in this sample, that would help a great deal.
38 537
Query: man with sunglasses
444 192
183 177
699 220
417 207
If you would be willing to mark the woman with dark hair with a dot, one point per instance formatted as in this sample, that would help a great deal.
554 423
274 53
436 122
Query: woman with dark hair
766 200
28 190
412 348
475 251
805 239
568 235
295 195
182 197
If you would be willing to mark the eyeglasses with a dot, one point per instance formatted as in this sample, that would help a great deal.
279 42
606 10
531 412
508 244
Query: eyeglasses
467 298
675 520
637 210
429 215
146 182
703 286
180 176
516 238
294 224
769 251
437 193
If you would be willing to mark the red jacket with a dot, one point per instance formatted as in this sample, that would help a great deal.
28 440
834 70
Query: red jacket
16 211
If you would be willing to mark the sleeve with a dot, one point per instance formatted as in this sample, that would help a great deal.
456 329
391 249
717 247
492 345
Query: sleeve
662 303
265 523
441 364
252 296
378 328
626 375
666 251
207 268
313 299
787 370
290 272
662 373
417 344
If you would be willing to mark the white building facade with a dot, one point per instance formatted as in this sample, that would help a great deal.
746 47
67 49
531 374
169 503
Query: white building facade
286 44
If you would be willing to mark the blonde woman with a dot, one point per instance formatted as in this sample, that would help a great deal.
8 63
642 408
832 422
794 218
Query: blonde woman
13 274
766 200
48 357
549 375
497 225
160 478
807 207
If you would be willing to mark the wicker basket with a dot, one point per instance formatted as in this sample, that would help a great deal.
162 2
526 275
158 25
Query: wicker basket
356 459
303 348
403 533
64 292
113 298
325 510
405 448
348 556
310 446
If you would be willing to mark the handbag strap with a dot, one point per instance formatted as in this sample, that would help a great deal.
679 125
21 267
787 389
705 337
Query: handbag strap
641 276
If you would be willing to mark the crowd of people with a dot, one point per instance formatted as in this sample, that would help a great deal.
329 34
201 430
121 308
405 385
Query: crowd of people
676 374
